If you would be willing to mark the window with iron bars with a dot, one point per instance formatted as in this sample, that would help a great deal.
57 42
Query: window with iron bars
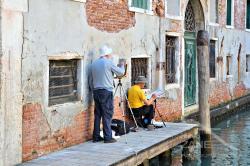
170 59
62 81
212 59
139 67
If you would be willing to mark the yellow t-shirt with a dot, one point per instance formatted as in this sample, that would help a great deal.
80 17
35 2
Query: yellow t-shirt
136 96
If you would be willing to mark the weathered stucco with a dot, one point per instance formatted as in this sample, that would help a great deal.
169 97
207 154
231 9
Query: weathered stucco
62 29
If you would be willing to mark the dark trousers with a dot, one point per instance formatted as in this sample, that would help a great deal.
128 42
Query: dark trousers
146 111
104 109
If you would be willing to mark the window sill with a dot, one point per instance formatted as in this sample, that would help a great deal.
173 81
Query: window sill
179 18
139 10
213 79
229 76
229 26
81 1
247 30
65 105
172 86
214 24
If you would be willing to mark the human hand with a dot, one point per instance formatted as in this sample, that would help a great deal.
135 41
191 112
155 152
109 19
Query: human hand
154 96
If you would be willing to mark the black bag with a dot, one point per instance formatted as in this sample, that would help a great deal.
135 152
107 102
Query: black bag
118 126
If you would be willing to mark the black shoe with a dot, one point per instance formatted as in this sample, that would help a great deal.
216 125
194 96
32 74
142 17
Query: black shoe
110 141
99 139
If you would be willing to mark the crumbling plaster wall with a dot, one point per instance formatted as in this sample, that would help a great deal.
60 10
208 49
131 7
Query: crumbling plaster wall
225 88
56 27
11 97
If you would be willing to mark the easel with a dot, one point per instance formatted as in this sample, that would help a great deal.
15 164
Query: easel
159 113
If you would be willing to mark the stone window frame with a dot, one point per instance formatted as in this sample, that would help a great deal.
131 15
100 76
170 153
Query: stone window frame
178 53
140 10
170 16
232 15
80 76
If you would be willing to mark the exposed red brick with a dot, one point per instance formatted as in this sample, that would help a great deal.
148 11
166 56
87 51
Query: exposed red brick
159 7
109 15
170 110
219 94
222 12
39 140
240 90
239 14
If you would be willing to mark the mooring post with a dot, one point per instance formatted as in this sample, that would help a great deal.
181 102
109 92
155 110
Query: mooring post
203 78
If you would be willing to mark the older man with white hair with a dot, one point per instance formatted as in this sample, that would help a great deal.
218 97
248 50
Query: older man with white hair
101 81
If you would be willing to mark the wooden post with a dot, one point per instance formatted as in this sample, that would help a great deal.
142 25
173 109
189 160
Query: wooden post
203 74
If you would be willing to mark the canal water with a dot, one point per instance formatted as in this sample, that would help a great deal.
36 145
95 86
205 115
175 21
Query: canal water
230 143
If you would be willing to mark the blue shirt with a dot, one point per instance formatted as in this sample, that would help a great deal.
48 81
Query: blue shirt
101 75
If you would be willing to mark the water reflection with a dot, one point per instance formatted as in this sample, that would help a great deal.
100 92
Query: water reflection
230 143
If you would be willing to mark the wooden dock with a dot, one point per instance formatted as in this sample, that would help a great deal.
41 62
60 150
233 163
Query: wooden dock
132 149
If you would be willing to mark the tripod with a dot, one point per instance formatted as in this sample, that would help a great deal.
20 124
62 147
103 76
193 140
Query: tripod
121 89
159 113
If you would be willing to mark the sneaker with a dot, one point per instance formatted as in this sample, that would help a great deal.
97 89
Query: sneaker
110 141
99 139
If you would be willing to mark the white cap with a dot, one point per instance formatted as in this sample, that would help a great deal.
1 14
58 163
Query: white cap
105 50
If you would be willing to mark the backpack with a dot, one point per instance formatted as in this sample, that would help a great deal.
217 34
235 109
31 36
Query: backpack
118 126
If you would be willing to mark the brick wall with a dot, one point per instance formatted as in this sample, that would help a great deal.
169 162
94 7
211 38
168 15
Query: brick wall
239 14
240 90
38 138
109 15
219 94
222 12
170 110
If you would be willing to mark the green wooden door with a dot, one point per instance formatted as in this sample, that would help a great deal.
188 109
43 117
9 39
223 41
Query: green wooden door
190 69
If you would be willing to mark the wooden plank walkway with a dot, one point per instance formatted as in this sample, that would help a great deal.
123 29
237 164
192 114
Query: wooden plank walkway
130 150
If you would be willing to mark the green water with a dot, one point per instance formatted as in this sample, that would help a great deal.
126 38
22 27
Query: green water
230 143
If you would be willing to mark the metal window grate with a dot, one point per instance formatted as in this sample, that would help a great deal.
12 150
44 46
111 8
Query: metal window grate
212 59
62 81
139 68
170 59
189 18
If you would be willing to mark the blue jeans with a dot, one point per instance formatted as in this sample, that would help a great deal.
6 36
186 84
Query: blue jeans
104 109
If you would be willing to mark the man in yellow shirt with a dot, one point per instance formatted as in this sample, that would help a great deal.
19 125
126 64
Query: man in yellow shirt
139 103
